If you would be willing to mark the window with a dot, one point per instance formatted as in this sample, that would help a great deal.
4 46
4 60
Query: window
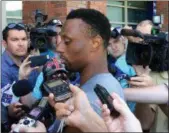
139 4
115 2
14 11
115 14
122 13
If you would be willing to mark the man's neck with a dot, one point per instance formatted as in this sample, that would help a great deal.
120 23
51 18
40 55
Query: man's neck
16 60
96 67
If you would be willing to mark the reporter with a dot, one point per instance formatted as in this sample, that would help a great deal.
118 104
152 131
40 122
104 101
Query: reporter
126 122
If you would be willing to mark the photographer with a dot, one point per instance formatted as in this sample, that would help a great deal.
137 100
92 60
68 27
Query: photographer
159 67
55 25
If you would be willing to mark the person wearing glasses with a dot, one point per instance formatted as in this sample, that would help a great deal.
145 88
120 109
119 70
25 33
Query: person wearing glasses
15 41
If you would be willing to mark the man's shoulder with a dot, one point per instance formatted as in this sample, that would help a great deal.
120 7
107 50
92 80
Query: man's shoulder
5 67
6 61
106 80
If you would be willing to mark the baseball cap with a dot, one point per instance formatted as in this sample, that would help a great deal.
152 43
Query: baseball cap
55 22
53 66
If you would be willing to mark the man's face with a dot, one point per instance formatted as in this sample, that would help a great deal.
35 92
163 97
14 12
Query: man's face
116 47
17 42
145 29
75 44
56 39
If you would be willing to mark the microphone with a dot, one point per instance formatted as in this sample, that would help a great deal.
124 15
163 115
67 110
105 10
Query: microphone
115 32
11 93
129 32
22 88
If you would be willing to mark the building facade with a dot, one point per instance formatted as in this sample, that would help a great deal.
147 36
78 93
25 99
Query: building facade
120 13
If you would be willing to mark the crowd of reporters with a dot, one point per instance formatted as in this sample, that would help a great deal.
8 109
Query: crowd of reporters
138 91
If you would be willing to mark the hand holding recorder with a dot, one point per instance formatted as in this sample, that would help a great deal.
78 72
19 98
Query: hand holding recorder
77 112
125 122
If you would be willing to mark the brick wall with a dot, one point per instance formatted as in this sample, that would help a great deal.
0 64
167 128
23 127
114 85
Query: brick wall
98 5
54 9
74 4
58 9
163 9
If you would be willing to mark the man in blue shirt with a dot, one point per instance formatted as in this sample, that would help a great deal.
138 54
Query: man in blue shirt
15 42
117 50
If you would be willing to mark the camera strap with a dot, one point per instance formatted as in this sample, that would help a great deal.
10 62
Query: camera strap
168 78
61 126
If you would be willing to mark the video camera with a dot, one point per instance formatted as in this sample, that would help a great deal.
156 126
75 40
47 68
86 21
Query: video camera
37 113
152 51
144 52
39 35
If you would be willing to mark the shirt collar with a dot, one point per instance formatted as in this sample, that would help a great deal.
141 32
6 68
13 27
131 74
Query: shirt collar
8 58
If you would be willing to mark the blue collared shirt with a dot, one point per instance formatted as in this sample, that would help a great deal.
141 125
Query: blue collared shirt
9 71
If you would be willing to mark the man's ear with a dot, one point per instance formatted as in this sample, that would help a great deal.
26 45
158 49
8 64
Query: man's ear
4 43
96 42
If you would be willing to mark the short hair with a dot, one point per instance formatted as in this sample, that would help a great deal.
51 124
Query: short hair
121 39
6 30
145 22
98 22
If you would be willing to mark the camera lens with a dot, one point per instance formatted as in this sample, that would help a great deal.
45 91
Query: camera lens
26 122
40 42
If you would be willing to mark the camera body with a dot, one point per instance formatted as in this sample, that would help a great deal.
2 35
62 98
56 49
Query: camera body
40 34
152 51
26 121
35 114
40 38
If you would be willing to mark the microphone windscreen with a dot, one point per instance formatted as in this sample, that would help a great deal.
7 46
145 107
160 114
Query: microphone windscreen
22 88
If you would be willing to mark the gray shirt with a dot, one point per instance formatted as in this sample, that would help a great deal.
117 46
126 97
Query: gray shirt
106 80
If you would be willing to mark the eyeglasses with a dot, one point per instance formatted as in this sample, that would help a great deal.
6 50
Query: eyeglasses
12 25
